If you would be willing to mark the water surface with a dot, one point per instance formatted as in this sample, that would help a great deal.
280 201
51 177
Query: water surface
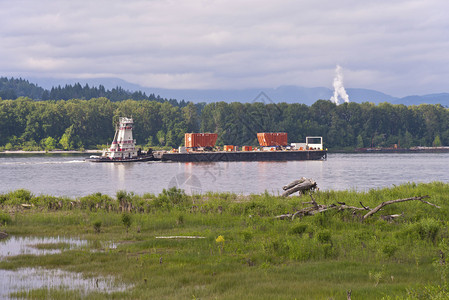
71 176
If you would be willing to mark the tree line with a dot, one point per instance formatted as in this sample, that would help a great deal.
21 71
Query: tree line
13 88
76 123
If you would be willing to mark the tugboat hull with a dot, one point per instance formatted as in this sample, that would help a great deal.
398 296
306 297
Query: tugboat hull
117 160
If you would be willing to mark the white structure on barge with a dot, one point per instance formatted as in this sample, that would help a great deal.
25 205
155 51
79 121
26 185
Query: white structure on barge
123 146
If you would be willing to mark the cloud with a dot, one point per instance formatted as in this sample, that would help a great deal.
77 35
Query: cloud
399 47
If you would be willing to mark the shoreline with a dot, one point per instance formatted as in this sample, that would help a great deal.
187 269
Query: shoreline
50 152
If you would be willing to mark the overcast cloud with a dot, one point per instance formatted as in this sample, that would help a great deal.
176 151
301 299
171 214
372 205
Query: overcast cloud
397 47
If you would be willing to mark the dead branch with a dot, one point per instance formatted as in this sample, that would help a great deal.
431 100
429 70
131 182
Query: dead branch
365 207
313 202
390 218
318 208
310 211
302 185
283 217
343 207
377 208
293 183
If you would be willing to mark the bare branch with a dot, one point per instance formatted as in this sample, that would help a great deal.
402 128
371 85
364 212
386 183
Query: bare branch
303 185
365 207
377 208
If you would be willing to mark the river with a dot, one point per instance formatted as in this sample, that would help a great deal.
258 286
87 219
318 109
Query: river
69 175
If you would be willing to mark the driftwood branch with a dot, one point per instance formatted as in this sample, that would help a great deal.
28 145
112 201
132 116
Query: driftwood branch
302 185
318 208
383 204
390 218
293 183
313 202
364 207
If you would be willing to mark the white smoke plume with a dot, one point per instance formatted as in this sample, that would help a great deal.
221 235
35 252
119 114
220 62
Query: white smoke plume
339 89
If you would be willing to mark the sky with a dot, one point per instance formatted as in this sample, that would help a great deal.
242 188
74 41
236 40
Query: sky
396 47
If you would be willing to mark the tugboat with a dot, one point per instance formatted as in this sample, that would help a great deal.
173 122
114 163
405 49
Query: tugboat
123 147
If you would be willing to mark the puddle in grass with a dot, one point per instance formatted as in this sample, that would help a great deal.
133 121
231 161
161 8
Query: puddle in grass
26 279
13 245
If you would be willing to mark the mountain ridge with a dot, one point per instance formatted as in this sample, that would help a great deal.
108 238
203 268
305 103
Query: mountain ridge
284 93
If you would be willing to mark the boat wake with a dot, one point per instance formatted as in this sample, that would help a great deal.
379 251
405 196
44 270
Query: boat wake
33 163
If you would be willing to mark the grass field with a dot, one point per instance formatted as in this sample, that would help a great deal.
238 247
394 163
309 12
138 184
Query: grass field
244 251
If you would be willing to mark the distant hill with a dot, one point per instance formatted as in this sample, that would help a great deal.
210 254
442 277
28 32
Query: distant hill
289 94
442 98
296 94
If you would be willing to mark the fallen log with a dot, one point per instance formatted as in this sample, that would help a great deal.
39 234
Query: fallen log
318 208
283 217
383 204
303 186
310 211
293 183
390 218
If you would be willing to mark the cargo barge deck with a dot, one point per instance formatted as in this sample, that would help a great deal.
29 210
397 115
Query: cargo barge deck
287 155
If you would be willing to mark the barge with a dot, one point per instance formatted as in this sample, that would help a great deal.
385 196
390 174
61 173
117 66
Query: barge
214 156
312 149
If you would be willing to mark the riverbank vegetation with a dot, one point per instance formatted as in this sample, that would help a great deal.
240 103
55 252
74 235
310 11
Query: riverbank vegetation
76 124
228 246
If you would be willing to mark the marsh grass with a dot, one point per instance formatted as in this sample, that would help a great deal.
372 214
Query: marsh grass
319 256
51 246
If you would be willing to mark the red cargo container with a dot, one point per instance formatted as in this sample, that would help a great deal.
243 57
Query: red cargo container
200 139
247 148
228 148
267 139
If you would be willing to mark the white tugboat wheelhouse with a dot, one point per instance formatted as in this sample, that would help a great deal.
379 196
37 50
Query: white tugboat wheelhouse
123 146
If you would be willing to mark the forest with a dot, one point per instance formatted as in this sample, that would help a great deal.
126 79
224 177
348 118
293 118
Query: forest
12 88
89 124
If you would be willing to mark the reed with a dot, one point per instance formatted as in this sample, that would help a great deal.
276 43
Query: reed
244 252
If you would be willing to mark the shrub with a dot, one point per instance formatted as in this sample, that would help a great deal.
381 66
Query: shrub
173 197
247 235
389 249
126 220
3 198
5 219
93 201
324 236
299 229
20 195
97 226
428 229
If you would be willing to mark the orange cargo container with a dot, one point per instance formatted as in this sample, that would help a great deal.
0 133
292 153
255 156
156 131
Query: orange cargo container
228 148
247 148
267 139
200 139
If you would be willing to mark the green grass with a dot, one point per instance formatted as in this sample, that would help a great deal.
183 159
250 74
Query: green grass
313 257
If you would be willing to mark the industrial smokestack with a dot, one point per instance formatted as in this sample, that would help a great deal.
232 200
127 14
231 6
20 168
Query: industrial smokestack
339 89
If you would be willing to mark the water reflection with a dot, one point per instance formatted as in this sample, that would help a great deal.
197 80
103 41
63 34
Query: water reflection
26 279
13 245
